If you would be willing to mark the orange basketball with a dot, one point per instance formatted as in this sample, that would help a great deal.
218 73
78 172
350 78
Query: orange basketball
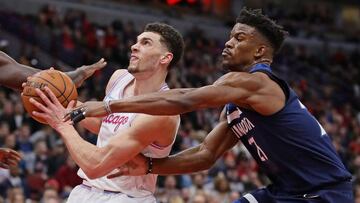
58 82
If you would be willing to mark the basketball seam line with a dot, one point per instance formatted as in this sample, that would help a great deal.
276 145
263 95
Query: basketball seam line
66 98
61 93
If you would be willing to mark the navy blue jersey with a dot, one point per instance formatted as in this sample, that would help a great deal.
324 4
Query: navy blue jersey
290 146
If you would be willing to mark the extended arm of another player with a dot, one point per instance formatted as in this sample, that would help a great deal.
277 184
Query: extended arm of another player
13 74
198 158
195 159
229 88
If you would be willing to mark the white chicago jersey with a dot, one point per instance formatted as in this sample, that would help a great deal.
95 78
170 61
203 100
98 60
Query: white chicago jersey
112 125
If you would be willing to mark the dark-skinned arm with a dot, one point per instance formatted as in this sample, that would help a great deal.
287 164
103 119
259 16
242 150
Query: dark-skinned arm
241 88
195 159
198 158
13 74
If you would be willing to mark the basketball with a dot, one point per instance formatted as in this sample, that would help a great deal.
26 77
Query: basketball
58 82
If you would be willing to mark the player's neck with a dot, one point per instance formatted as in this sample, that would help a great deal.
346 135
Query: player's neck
151 84
260 61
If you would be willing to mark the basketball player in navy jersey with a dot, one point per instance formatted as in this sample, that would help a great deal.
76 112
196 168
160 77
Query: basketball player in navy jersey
261 110
14 74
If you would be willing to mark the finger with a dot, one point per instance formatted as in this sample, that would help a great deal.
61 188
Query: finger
15 154
15 158
44 116
100 64
40 106
23 84
3 165
71 105
46 100
12 162
52 96
52 68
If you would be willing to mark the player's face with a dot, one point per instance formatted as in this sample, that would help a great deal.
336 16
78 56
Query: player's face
240 48
146 54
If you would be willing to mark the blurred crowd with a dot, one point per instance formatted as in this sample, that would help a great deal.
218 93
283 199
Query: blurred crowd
327 82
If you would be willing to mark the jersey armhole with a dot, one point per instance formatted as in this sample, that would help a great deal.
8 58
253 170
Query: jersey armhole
283 85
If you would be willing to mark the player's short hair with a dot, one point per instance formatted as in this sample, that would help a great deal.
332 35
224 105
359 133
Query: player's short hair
273 32
172 39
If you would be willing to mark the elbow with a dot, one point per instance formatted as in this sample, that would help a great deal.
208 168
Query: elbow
93 170
209 163
92 173
208 159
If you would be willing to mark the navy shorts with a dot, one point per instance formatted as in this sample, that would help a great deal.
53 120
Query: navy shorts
341 193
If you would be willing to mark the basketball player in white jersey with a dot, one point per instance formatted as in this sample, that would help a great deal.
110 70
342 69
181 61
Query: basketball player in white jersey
121 136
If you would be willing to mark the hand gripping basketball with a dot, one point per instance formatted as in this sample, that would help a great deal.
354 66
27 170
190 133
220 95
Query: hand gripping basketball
58 82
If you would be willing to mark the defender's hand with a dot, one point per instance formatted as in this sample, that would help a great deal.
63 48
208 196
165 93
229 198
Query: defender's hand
84 72
135 167
8 157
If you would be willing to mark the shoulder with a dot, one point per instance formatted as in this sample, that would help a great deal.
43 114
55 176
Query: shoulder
244 80
118 73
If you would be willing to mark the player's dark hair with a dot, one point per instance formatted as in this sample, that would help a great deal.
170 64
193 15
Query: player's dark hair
172 39
273 32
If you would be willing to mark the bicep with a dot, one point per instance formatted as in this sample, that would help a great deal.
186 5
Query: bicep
214 96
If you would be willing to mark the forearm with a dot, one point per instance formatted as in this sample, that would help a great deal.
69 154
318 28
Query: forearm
171 102
77 76
92 124
189 161
199 158
14 74
85 154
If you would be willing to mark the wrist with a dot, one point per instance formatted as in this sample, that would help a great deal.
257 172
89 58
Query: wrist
107 107
150 165
76 76
64 129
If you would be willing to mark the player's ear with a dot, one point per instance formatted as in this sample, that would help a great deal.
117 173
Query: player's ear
260 51
166 58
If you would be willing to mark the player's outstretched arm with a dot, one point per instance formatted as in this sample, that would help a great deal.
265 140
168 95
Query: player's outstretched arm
13 74
195 159
232 87
192 160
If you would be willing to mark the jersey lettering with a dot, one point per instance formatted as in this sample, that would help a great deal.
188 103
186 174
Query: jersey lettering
260 152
